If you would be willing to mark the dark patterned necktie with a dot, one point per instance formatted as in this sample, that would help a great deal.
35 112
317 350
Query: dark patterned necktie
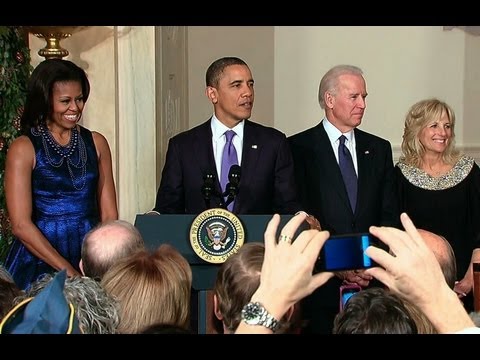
348 171
229 158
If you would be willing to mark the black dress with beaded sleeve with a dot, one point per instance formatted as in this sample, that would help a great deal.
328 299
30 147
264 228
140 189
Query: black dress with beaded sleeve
448 205
64 200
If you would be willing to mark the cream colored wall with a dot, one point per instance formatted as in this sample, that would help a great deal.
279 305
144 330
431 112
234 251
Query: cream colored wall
401 64
471 135
253 44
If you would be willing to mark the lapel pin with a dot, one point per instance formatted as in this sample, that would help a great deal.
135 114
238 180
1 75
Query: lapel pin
254 146
367 152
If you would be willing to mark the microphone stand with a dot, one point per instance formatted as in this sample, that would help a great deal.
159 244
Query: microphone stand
208 189
232 188
231 192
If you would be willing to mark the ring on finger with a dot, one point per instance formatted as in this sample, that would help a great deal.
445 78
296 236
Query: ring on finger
286 238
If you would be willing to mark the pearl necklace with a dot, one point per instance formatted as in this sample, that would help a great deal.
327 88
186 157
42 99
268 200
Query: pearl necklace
61 154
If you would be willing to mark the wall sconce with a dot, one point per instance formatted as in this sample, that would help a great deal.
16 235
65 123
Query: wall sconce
53 35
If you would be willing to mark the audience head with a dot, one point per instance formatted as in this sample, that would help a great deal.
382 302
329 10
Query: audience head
105 244
444 253
96 311
421 116
165 329
38 104
8 291
47 312
5 275
424 325
237 280
374 311
151 288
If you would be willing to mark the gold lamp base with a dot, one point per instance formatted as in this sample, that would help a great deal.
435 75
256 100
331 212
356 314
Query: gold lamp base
53 35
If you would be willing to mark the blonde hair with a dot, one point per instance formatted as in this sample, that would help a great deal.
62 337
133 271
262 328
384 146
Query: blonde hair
417 118
151 288
424 326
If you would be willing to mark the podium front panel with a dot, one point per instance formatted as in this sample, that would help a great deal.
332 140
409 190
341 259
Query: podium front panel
174 230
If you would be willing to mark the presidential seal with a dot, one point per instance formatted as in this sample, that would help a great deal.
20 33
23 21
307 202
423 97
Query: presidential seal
216 234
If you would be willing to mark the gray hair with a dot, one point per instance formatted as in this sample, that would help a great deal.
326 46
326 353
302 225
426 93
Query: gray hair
96 311
329 82
5 275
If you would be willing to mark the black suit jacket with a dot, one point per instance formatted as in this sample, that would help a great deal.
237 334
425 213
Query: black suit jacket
323 194
322 191
266 185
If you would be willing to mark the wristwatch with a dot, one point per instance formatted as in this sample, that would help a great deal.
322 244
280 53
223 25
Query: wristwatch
255 314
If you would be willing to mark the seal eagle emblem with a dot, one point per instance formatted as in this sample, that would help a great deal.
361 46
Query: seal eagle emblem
216 234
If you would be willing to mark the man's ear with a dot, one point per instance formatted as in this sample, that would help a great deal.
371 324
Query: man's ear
211 93
216 309
80 265
329 100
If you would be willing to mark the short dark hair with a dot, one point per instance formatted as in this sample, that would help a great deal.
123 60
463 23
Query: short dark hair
374 311
215 70
38 103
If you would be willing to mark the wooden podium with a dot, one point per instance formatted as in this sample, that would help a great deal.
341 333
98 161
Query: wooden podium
174 230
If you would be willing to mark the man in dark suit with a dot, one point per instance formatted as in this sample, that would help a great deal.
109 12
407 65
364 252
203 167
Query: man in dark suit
267 180
321 185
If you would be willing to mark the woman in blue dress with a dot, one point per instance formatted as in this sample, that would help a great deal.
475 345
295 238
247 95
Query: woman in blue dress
58 175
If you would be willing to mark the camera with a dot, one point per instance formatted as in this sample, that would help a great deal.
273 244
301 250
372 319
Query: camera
346 252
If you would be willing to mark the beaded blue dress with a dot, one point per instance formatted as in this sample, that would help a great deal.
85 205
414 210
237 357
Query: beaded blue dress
64 200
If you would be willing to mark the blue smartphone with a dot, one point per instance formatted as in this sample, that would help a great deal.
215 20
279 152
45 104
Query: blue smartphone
346 252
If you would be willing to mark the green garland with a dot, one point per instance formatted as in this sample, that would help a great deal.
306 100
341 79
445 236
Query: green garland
15 70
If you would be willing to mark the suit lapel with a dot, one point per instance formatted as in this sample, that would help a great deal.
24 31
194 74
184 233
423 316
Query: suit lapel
203 152
330 170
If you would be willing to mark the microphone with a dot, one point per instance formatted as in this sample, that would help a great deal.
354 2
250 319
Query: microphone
234 178
208 187
232 188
